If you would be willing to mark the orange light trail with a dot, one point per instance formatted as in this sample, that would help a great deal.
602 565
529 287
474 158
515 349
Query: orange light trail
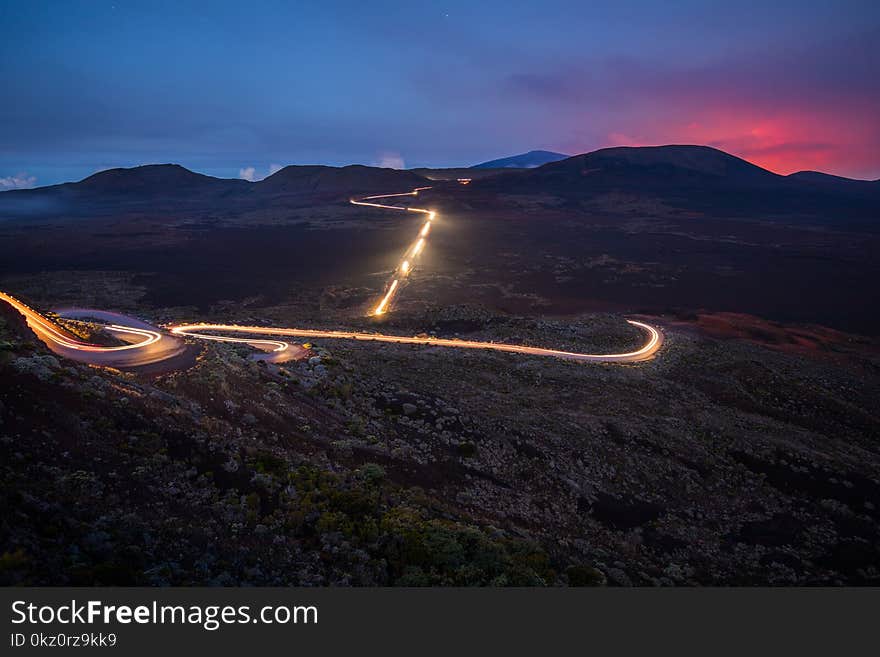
52 335
645 352
412 252
383 305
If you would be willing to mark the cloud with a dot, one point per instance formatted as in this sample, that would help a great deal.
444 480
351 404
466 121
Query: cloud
810 106
18 181
251 174
390 161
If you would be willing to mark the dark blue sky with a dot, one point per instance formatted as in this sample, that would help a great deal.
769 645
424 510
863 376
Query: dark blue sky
223 86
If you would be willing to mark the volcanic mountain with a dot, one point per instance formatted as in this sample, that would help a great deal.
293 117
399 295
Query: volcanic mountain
152 179
160 187
666 166
320 179
697 178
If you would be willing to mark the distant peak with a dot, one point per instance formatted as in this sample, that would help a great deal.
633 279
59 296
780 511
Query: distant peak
528 160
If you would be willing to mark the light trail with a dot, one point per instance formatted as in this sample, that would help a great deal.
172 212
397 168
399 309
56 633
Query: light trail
645 352
383 305
51 333
412 252
142 353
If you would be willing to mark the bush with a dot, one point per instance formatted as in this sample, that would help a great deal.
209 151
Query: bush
413 549
584 576
372 472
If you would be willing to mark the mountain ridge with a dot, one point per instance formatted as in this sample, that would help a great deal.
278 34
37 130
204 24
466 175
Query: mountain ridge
326 179
691 177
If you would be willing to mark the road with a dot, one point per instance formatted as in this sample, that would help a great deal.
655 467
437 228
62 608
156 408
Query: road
147 344
203 331
408 260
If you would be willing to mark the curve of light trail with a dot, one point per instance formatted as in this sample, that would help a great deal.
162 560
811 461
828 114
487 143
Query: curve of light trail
64 344
645 352
415 249
52 334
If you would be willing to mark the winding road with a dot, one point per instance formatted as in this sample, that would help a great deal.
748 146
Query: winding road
203 331
407 263
145 344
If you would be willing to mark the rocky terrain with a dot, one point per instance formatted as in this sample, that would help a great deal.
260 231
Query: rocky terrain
727 461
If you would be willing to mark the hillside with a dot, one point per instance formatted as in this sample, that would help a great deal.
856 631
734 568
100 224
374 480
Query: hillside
364 466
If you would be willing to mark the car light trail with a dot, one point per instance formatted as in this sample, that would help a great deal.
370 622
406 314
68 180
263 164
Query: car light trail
645 352
55 337
51 333
412 252
383 305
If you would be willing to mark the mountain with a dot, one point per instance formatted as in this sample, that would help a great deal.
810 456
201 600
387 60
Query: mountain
149 188
319 179
153 179
171 187
523 161
695 178
662 163
658 169
161 180
148 181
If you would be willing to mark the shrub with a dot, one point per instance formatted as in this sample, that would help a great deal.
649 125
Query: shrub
372 472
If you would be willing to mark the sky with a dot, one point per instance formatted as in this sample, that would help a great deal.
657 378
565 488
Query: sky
239 89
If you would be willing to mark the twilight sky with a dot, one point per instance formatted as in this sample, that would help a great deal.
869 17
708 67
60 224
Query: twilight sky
234 88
